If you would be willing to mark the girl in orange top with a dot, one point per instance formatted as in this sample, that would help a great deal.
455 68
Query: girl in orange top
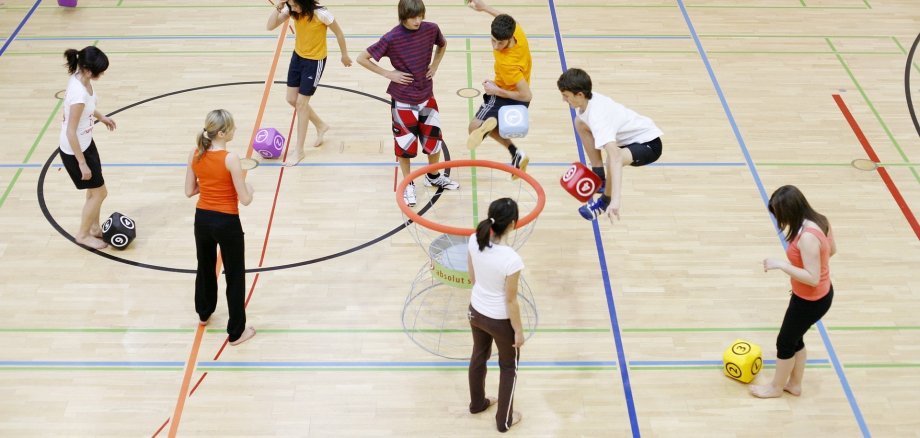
811 246
216 176
307 63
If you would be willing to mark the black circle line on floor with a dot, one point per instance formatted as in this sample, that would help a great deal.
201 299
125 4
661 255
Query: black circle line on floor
44 207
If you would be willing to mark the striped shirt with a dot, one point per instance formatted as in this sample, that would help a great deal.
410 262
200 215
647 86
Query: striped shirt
410 51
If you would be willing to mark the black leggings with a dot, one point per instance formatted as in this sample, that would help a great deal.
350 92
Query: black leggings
800 316
214 228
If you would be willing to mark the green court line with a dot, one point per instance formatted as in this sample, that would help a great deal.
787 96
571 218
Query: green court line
469 109
883 365
458 368
25 160
703 367
868 6
878 116
904 52
119 3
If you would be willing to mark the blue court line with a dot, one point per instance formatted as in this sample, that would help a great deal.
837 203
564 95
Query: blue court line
365 364
602 259
292 364
291 37
352 164
649 363
763 195
18 28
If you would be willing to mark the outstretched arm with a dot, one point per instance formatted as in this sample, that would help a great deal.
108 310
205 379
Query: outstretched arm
481 6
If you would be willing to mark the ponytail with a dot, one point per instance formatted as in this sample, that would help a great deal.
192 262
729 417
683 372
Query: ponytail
502 214
217 121
204 142
90 58
71 55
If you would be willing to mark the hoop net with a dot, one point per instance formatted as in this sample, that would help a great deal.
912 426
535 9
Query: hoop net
434 315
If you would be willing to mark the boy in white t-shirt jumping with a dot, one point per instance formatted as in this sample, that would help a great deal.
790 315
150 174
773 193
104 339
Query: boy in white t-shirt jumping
629 139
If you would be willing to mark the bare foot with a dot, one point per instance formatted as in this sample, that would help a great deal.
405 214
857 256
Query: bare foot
95 231
320 131
292 161
92 242
765 391
516 417
795 390
492 401
247 335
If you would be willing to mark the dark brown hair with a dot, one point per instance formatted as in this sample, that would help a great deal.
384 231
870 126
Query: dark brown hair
790 208
502 213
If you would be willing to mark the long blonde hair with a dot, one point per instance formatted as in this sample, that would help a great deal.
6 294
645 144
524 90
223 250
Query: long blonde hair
216 121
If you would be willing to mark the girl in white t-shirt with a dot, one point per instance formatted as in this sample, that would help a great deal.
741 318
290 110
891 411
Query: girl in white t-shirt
494 313
78 150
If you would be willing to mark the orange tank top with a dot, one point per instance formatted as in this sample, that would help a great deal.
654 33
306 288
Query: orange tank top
802 290
215 183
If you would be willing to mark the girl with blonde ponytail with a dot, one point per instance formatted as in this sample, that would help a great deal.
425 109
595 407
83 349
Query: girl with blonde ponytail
494 313
216 176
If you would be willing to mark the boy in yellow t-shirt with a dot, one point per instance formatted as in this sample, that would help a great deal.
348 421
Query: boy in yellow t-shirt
511 85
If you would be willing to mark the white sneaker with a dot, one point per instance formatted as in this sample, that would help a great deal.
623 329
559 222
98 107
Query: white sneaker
409 195
442 181
520 161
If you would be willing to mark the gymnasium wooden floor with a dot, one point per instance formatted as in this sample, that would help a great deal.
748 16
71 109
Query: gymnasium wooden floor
633 316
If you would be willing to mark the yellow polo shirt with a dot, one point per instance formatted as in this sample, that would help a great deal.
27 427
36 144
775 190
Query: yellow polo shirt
513 64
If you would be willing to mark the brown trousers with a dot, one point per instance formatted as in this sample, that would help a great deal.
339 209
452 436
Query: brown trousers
485 330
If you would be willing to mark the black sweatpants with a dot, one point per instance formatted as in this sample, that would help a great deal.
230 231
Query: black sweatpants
213 228
485 330
800 316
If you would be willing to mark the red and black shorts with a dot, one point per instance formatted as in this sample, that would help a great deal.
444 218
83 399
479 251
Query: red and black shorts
414 124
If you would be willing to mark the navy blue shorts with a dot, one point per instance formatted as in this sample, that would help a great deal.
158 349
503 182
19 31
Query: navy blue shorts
91 154
491 104
305 73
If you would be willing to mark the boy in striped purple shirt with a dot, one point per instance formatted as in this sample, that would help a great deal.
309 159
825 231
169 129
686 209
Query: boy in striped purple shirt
414 109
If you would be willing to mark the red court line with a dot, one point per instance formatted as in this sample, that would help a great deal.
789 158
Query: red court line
895 193
189 368
193 355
